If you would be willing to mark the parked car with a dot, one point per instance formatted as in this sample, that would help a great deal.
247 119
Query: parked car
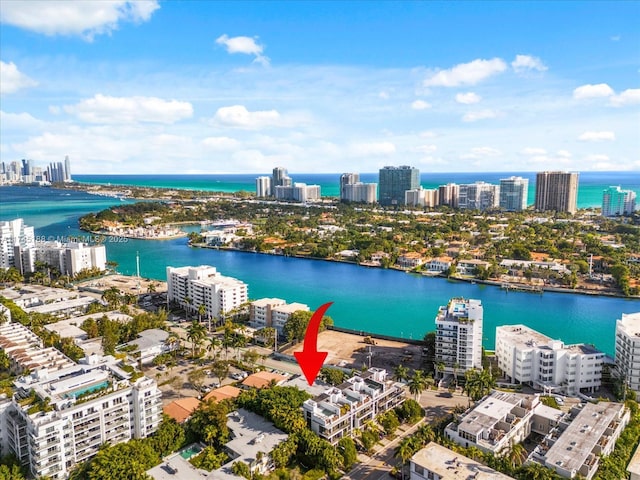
559 401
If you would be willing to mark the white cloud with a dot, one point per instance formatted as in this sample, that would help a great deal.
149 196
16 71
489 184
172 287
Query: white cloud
221 143
245 45
428 134
630 96
468 98
527 63
481 152
86 18
19 122
563 153
111 110
424 148
479 115
238 116
420 105
372 149
597 136
466 73
593 91
533 151
384 95
12 79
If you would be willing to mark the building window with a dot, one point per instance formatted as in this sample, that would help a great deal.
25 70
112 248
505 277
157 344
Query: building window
419 470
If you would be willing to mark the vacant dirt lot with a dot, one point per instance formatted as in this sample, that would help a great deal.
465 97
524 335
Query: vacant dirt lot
354 353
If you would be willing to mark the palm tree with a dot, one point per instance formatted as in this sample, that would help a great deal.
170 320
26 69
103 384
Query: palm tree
516 454
214 343
195 333
173 342
112 296
400 373
202 309
189 302
417 383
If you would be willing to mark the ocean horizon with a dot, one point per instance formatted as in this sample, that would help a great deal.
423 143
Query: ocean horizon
590 184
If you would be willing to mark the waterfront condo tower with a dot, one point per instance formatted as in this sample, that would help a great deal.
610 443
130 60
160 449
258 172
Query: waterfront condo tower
394 181
513 193
263 187
459 336
627 345
557 191
280 178
616 201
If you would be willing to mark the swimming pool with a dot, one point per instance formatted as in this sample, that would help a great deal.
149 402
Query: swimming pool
193 450
91 388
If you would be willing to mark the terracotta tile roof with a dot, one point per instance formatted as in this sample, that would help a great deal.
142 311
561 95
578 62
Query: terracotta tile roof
262 379
182 408
222 393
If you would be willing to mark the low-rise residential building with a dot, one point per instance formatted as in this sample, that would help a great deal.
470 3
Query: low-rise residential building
459 335
263 379
68 258
576 443
627 346
181 409
260 311
192 287
527 356
633 469
282 313
410 260
439 264
340 410
149 344
437 462
469 267
498 421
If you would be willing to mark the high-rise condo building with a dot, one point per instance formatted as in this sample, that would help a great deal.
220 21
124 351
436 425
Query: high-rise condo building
459 335
478 196
616 201
627 348
68 258
280 178
204 285
298 192
67 169
14 235
448 195
394 181
513 193
557 191
263 187
353 190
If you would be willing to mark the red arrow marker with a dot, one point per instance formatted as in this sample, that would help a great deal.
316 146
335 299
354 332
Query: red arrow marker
310 359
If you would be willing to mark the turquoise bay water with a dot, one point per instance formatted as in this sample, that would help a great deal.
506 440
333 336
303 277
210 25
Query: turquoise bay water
374 300
590 187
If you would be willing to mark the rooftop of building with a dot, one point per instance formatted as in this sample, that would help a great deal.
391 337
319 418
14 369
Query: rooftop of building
493 409
182 408
450 465
222 393
634 465
630 324
61 305
576 443
148 339
265 302
262 379
291 308
523 336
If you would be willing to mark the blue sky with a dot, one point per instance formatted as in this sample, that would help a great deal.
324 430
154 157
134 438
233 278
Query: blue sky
240 87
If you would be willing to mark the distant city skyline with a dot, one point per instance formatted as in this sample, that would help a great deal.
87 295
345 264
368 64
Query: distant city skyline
321 86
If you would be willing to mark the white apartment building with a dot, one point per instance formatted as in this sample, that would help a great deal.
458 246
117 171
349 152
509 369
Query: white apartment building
478 196
204 285
62 412
627 355
260 312
263 187
513 193
281 313
298 192
448 195
459 335
435 462
14 233
527 356
69 258
575 444
616 201
360 192
340 410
